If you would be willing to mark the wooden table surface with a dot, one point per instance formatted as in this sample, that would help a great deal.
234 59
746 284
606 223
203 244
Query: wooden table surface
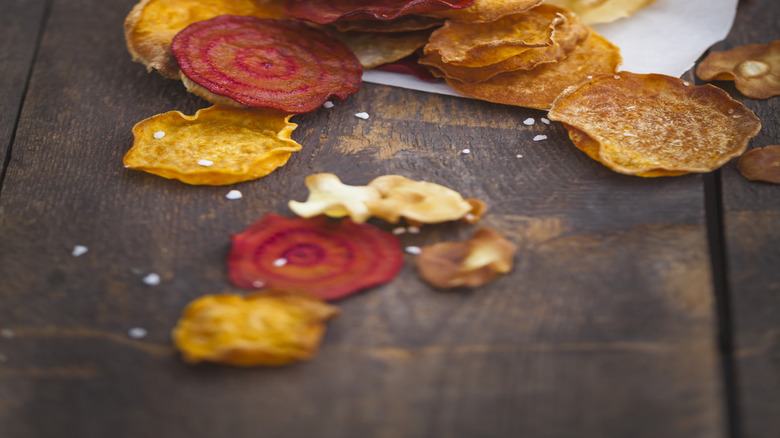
637 307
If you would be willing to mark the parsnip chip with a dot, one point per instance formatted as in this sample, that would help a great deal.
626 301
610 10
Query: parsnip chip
402 24
375 49
264 328
484 11
418 201
329 196
651 124
754 68
466 264
216 146
601 11
538 88
151 25
761 164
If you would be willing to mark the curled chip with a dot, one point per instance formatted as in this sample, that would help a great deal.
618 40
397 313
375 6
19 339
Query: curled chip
754 68
406 23
537 88
761 164
652 125
410 66
601 11
263 328
216 146
328 11
466 264
484 11
285 65
330 259
151 25
374 49
329 196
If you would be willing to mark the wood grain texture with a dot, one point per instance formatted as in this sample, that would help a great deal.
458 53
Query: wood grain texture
605 327
751 217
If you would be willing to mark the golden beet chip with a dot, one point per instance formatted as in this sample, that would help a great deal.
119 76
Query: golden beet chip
216 146
761 164
754 68
263 328
651 124
151 25
329 196
601 11
538 88
484 11
374 49
471 263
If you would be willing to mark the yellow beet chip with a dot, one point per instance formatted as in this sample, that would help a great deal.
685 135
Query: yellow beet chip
754 68
216 146
655 125
151 25
329 196
264 328
601 11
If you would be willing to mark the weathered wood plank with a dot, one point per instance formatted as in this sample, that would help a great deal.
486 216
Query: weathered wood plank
605 328
751 214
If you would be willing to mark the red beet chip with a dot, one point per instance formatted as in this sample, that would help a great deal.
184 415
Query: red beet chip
330 259
409 66
259 62
328 11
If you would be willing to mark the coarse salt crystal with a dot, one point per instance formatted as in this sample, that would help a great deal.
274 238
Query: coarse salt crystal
234 194
529 121
328 104
546 121
7 333
159 134
79 250
137 332
540 138
280 262
257 284
399 230
465 151
413 230
519 156
413 249
686 83
616 76
205 163
363 116
151 279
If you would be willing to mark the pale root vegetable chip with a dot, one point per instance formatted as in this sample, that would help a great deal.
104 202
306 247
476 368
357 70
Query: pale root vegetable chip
151 25
374 49
483 11
537 88
653 125
329 196
216 146
403 24
601 11
466 264
329 11
263 328
762 164
754 68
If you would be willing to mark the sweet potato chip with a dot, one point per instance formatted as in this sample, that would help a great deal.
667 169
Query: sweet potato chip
601 11
280 64
466 264
330 259
216 146
151 25
328 11
406 23
375 49
761 164
484 11
538 88
651 124
329 196
263 328
754 68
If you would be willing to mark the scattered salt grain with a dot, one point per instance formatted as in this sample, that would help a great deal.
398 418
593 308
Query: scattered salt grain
399 230
280 262
205 163
545 120
616 76
519 156
7 333
79 250
686 83
413 230
257 284
137 332
413 249
159 134
470 217
529 121
540 138
328 104
234 194
465 151
151 279
363 116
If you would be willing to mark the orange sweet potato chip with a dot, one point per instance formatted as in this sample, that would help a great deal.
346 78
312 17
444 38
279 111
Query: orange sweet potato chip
762 164
754 68
216 146
151 25
601 11
263 328
654 125
484 11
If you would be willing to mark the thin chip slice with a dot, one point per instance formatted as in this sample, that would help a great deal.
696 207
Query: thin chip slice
263 328
647 123
538 88
328 11
754 68
329 196
601 11
485 11
330 259
216 146
406 23
410 66
151 25
375 49
280 64
466 264
762 164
